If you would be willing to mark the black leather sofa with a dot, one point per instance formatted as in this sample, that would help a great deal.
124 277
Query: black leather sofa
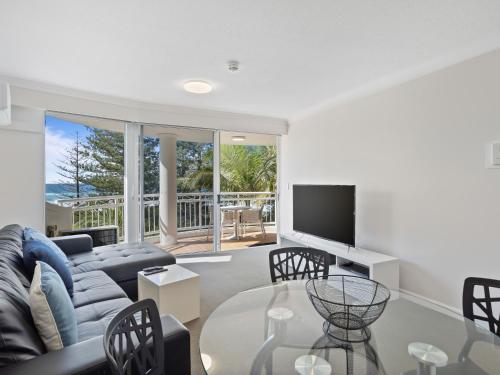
120 262
105 281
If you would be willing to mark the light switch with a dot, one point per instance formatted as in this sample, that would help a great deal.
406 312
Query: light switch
495 154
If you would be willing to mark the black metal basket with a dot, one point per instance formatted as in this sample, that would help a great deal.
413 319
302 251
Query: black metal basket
349 304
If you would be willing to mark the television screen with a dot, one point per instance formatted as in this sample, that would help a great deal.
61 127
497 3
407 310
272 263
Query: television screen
326 211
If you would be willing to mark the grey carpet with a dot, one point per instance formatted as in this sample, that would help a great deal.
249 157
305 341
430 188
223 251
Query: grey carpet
219 281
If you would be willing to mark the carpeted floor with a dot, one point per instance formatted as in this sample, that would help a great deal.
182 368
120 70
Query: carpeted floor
223 275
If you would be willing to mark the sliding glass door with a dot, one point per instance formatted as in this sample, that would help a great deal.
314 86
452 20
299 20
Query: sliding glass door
205 190
84 177
178 188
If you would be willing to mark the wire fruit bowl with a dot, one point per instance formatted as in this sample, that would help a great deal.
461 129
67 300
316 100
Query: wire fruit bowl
349 304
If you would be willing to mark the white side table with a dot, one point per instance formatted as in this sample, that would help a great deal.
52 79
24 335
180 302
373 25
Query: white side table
176 292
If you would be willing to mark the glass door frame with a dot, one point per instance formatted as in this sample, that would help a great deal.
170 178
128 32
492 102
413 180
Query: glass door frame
215 141
216 190
142 226
217 230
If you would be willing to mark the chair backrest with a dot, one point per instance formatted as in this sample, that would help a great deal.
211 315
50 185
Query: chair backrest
481 301
133 340
252 215
295 263
228 216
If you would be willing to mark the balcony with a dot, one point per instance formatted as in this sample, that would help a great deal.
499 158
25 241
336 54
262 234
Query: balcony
194 219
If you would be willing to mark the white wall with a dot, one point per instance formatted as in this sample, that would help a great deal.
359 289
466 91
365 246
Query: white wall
416 154
22 169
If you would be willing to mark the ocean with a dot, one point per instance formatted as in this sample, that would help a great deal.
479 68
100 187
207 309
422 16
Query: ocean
54 192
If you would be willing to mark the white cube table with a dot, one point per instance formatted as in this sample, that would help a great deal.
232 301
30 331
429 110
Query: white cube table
176 292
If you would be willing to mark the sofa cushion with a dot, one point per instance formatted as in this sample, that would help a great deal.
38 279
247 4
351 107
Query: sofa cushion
31 234
52 309
19 339
93 319
11 241
12 232
121 262
94 286
35 250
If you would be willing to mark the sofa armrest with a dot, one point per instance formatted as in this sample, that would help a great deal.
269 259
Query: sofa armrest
88 357
176 339
79 243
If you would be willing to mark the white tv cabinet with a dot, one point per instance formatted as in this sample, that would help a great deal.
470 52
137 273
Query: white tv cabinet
379 267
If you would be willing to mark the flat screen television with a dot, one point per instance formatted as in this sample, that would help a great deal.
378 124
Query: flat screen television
326 211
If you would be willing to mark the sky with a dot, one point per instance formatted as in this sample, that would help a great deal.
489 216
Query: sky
60 135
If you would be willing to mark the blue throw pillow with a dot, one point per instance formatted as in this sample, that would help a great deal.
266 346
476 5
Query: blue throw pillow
33 234
36 250
52 309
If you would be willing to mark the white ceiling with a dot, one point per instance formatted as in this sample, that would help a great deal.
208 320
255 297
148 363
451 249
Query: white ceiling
294 54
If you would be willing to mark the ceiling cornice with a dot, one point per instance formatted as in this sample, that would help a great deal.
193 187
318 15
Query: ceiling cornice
59 99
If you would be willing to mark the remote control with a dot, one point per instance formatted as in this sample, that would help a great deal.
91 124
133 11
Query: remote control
156 271
154 268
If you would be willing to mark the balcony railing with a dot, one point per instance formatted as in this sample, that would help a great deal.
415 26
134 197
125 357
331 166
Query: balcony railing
193 210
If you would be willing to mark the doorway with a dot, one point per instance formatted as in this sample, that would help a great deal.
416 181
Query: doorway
206 190
177 172
248 184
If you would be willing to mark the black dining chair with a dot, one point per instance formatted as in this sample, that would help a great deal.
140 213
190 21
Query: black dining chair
133 340
476 292
296 263
481 300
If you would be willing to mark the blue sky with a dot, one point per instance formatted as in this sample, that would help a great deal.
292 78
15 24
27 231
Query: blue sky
59 136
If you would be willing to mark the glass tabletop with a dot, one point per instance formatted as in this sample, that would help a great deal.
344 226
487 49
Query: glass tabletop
275 330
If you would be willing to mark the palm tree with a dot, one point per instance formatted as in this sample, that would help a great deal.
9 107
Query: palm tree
243 168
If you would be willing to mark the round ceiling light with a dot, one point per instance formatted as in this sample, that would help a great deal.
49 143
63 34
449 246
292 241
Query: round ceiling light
197 87
238 138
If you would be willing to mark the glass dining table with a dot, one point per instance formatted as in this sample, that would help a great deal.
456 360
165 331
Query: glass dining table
275 330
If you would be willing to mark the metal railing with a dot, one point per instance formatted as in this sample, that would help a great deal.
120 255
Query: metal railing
193 210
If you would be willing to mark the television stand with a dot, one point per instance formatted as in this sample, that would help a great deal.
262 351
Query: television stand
366 263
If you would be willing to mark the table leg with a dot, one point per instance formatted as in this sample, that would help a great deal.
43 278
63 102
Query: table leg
237 225
236 235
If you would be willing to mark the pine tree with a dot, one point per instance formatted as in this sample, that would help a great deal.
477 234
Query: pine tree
72 169
105 167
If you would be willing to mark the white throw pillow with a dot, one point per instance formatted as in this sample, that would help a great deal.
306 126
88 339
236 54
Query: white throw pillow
52 309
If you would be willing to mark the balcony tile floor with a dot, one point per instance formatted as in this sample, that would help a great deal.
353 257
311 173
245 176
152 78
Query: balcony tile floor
199 243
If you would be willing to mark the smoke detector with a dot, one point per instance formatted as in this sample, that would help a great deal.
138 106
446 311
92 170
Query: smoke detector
233 66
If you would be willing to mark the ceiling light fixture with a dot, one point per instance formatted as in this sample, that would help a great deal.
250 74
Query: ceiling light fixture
238 138
197 87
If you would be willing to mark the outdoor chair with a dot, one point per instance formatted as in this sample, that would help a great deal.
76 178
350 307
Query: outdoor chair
227 218
252 216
